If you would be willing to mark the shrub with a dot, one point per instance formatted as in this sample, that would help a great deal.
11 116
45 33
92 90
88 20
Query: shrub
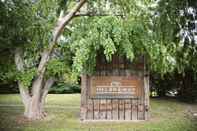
61 88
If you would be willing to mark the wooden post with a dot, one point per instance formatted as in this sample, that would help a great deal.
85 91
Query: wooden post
146 92
84 97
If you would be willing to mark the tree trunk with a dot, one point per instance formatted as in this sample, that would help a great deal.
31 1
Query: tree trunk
36 104
33 105
34 109
24 93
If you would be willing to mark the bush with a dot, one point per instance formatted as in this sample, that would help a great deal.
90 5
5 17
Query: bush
61 88
8 88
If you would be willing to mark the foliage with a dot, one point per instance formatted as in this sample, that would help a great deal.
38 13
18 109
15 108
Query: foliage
14 24
8 73
131 35
56 68
8 70
14 32
175 23
175 26
63 87
163 31
26 76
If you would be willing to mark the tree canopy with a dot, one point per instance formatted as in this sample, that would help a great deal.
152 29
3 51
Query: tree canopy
176 23
162 31
131 34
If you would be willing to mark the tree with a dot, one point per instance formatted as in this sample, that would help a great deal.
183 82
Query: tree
34 103
176 24
38 41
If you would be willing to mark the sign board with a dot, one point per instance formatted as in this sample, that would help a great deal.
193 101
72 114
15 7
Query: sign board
114 87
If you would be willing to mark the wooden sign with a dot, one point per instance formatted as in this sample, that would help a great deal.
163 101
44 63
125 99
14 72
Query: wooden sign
114 86
118 90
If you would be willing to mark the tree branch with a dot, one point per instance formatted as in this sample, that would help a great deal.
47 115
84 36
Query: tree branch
46 88
61 23
20 67
65 20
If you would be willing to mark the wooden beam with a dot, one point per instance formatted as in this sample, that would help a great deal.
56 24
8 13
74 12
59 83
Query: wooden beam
146 91
84 97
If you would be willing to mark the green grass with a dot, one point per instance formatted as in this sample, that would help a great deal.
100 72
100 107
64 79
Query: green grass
63 115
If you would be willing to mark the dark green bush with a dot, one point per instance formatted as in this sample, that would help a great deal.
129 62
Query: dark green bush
61 88
8 88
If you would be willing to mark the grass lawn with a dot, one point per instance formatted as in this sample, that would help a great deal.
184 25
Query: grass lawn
63 115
